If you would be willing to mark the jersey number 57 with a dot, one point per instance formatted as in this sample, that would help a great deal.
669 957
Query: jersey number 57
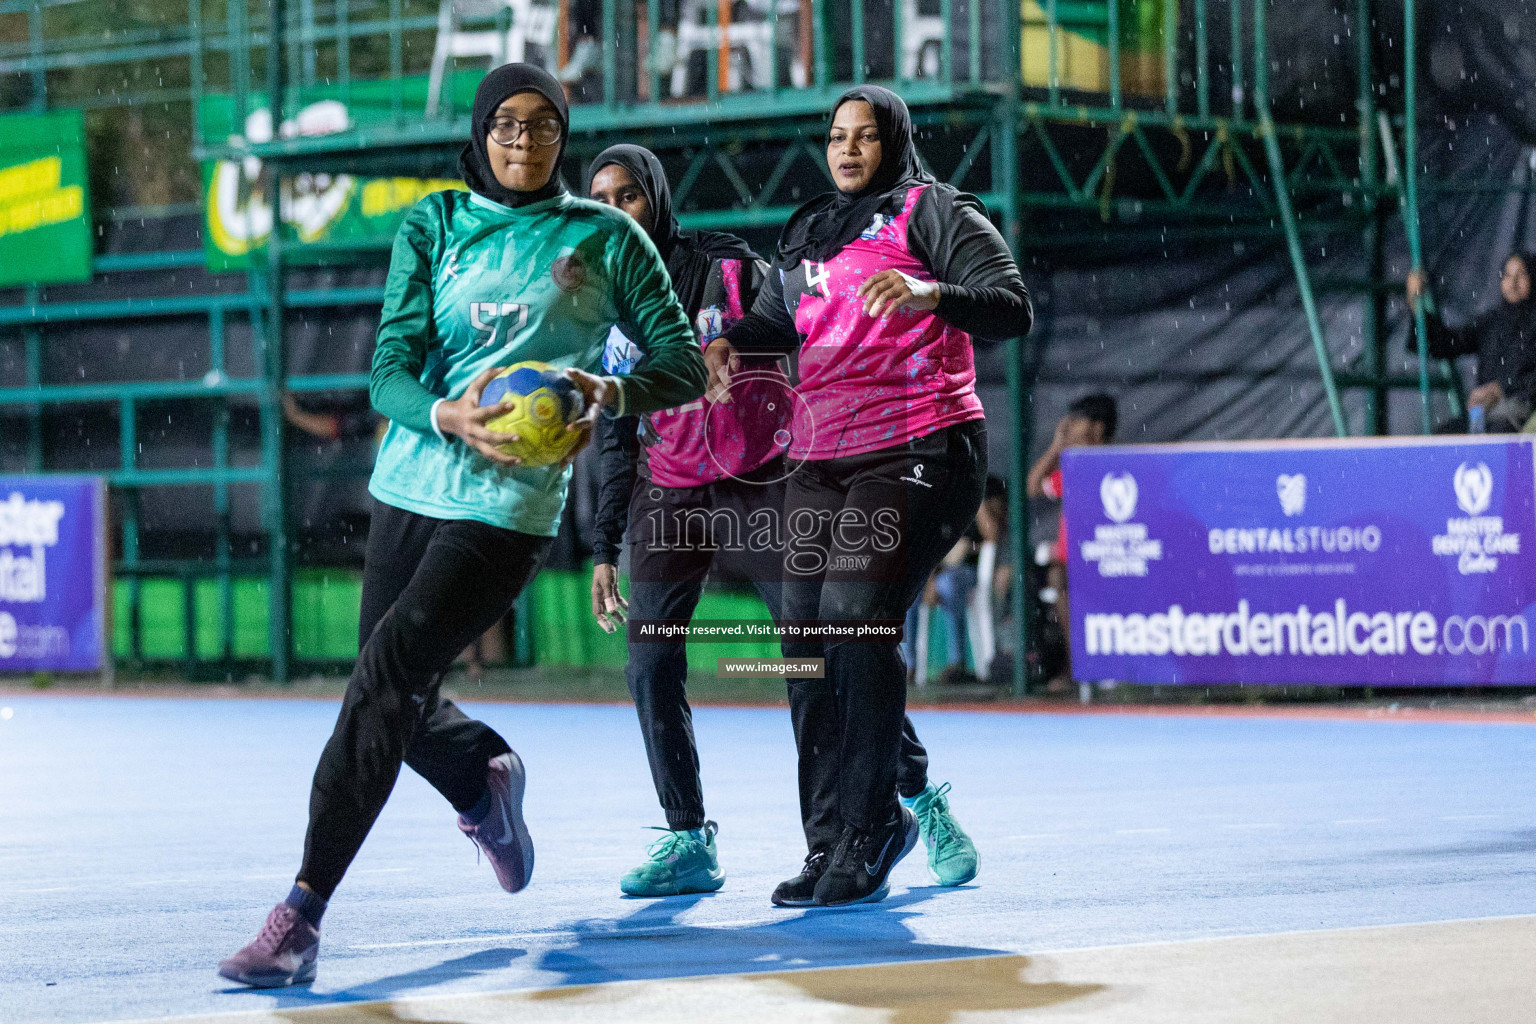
499 321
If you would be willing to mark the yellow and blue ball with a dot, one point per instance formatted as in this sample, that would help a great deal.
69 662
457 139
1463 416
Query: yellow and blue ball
542 403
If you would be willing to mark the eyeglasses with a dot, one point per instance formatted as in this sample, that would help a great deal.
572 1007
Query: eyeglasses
544 131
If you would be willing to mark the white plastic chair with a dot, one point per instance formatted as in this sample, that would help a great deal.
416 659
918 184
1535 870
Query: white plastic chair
922 38
529 23
751 43
920 651
978 612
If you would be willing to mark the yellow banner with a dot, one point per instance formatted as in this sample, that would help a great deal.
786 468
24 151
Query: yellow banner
30 196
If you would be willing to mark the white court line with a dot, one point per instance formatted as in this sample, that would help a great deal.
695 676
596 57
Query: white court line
1254 824
1141 831
1468 817
590 933
56 888
1360 821
159 881
1037 835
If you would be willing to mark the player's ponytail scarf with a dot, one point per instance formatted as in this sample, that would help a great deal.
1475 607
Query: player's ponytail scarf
495 89
824 225
689 255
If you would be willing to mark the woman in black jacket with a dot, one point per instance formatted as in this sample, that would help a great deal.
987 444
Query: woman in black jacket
1504 341
880 285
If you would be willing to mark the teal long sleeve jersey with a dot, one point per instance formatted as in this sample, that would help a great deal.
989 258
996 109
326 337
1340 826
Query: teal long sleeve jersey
474 284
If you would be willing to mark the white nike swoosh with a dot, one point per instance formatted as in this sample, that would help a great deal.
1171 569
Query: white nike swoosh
506 823
870 869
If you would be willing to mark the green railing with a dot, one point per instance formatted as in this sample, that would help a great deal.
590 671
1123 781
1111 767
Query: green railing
216 386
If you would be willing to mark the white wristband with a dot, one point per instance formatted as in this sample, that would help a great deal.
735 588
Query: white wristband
435 428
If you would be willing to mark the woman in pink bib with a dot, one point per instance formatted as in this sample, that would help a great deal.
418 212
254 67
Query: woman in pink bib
880 286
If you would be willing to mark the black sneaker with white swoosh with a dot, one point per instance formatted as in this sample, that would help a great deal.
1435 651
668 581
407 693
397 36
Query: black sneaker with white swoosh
863 861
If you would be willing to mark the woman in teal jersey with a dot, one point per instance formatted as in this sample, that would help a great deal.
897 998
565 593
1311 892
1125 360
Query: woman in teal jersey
515 269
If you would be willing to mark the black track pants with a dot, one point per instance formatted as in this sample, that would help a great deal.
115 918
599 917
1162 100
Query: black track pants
865 532
430 588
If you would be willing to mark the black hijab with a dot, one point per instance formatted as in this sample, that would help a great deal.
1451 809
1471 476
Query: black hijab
688 254
824 225
1506 338
497 86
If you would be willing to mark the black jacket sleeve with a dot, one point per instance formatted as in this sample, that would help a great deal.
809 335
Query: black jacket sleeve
1447 342
767 327
1523 386
980 289
617 447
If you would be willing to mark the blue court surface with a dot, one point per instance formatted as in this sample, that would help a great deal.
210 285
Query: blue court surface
141 840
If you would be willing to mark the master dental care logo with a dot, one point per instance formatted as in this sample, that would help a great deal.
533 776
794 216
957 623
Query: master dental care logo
1123 549
1474 488
1118 493
1475 540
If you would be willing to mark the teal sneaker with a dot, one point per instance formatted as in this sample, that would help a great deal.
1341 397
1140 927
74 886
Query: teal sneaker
677 863
951 854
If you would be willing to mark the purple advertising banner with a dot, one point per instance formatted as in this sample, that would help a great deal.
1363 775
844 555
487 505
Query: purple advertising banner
1369 561
53 574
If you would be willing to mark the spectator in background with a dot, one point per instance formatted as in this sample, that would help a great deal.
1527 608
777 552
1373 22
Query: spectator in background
1091 420
344 421
1504 341
949 589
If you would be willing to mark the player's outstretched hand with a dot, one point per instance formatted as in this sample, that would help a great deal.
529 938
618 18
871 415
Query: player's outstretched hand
889 290
720 361
464 418
608 605
598 392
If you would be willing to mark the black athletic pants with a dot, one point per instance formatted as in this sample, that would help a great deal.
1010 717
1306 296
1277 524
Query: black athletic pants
430 588
849 726
676 537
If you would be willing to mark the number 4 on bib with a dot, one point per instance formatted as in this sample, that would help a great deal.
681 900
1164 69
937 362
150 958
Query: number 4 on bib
816 278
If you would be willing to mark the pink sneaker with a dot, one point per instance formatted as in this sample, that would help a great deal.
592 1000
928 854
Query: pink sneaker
503 835
284 953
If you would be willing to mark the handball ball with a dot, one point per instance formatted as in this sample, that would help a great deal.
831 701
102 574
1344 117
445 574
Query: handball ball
542 403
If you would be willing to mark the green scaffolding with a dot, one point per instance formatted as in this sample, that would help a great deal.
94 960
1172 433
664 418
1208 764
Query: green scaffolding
985 92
